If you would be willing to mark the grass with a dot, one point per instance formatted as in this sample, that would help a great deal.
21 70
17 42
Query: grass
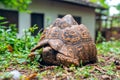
14 56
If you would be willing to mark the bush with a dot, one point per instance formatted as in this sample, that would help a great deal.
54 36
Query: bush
15 50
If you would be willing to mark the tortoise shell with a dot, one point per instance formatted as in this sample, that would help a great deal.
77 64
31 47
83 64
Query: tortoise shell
70 43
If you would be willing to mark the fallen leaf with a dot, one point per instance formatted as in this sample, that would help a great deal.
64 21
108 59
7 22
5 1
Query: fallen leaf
106 77
118 67
31 76
100 69
47 68
10 48
32 54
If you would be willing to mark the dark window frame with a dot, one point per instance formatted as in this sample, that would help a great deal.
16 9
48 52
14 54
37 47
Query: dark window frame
39 25
11 19
77 18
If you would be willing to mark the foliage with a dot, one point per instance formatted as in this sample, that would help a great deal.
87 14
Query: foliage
14 55
110 46
20 5
13 50
100 38
101 2
118 8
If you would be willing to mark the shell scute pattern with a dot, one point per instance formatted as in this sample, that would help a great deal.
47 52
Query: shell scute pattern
70 36
68 43
54 33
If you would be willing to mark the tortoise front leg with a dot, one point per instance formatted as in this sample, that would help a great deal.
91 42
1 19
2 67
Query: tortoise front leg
67 61
40 45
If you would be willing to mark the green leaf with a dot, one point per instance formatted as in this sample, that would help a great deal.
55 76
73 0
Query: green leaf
21 60
94 1
21 5
2 18
5 22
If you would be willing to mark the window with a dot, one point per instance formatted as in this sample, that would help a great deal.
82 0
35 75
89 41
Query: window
77 18
37 19
11 16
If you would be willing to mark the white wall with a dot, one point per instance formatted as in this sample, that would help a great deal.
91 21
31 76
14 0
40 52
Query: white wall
52 9
24 22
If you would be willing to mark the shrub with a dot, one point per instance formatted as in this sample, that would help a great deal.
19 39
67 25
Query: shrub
14 50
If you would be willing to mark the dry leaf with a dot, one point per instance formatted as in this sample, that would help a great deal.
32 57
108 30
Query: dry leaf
31 76
10 48
100 69
106 77
32 54
118 67
47 68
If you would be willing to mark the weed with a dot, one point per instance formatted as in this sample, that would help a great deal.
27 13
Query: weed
14 55
13 50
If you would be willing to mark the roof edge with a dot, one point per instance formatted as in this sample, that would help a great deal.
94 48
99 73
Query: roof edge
82 3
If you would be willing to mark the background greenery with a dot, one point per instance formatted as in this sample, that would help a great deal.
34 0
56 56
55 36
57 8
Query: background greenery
21 5
14 54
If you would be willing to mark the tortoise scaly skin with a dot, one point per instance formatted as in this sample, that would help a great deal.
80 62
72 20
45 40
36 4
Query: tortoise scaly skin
65 42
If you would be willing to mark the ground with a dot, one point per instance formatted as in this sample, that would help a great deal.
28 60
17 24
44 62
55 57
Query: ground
14 56
105 69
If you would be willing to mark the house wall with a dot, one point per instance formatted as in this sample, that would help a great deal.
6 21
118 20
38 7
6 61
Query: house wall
51 9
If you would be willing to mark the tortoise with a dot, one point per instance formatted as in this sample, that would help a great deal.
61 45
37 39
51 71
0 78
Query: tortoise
66 42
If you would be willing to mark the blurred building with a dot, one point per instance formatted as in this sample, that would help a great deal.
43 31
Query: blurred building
44 12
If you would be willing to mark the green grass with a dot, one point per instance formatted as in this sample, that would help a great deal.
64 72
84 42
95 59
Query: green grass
14 51
110 46
18 59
